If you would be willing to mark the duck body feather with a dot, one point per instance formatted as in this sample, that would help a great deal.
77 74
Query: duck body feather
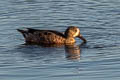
43 36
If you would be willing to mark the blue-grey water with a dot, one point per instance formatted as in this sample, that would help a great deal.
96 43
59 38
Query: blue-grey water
98 20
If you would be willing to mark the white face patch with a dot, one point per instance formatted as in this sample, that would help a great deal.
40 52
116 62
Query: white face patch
77 33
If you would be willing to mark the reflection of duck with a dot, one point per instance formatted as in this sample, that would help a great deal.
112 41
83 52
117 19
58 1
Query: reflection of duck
51 37
72 51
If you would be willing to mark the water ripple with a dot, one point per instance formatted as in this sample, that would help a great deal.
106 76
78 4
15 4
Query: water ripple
98 21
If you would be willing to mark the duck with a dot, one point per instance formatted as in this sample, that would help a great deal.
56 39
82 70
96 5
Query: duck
37 36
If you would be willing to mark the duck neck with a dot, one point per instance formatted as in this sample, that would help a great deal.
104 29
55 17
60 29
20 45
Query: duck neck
69 40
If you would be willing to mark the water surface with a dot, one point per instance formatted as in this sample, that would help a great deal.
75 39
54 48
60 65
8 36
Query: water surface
98 21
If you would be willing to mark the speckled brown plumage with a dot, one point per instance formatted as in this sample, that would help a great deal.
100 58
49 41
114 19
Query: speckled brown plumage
51 36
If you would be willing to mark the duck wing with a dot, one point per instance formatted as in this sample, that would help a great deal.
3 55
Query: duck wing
42 36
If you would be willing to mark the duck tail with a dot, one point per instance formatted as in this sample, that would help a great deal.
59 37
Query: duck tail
23 32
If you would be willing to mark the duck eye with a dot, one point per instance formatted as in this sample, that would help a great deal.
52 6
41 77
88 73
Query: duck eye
75 30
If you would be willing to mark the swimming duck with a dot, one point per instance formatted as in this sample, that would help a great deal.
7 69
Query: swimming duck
36 36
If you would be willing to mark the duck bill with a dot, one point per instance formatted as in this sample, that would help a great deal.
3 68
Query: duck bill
82 38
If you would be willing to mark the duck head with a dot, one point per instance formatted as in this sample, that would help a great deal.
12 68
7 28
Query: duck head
73 32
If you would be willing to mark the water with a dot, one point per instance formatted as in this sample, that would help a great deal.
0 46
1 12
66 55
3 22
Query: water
98 21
